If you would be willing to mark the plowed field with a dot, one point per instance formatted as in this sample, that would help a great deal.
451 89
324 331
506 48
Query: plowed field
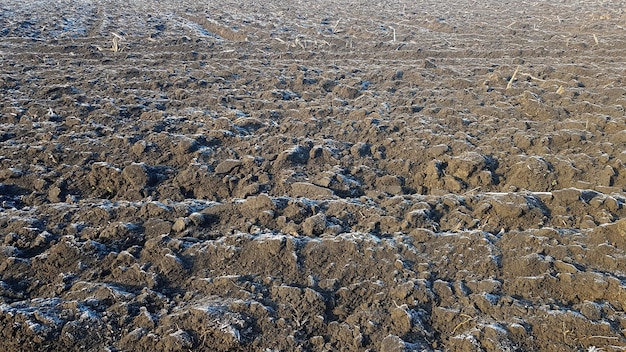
325 176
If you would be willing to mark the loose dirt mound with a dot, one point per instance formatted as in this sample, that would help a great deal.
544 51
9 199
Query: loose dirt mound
429 176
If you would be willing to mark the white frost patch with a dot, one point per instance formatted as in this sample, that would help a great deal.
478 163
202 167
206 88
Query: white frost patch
87 314
35 327
37 311
269 236
503 194
498 328
107 165
174 257
357 236
179 333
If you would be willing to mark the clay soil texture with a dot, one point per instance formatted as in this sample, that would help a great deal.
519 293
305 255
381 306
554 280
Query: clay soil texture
312 176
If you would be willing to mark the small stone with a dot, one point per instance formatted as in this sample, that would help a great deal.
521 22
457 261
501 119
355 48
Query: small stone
587 224
181 224
398 264
197 219
139 147
40 184
54 194
612 204
314 225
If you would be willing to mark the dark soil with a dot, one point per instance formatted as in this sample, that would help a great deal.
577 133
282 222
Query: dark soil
326 176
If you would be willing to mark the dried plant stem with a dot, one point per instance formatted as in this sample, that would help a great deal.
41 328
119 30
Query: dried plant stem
510 84
601 337
336 24
467 320
116 42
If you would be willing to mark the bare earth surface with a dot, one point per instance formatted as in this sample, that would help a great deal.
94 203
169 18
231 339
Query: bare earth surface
336 176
